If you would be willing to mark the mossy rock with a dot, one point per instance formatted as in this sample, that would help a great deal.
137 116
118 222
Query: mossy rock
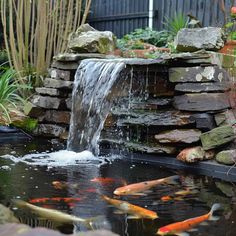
27 124
226 157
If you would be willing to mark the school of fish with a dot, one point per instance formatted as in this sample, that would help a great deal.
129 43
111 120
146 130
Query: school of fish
124 207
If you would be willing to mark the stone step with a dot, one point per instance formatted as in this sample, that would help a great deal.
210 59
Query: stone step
54 116
53 92
202 87
58 84
202 102
197 74
160 118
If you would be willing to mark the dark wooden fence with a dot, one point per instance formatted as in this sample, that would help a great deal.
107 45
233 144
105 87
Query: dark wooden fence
123 16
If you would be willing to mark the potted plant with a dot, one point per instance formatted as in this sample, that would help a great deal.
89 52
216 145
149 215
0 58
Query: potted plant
230 28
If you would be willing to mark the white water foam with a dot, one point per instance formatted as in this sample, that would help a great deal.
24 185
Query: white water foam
60 158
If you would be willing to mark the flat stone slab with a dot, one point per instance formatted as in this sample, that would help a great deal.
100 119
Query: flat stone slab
198 74
208 38
161 118
179 136
69 65
217 137
48 102
59 117
202 102
59 84
75 57
201 87
51 92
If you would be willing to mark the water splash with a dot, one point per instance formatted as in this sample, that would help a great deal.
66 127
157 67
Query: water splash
95 87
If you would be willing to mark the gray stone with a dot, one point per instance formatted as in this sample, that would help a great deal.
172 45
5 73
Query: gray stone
92 41
59 84
76 57
151 149
226 157
7 216
201 102
151 104
50 130
160 118
179 136
217 137
204 121
59 117
48 102
201 87
226 118
191 155
32 110
60 74
69 103
198 74
51 92
208 38
65 65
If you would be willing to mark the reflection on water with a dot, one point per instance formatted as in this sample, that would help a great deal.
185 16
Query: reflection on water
34 183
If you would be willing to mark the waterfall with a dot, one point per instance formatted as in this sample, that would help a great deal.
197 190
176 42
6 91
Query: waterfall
95 87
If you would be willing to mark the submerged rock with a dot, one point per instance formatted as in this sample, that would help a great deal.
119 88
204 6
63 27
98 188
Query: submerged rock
227 157
217 137
24 230
208 38
179 136
7 216
191 155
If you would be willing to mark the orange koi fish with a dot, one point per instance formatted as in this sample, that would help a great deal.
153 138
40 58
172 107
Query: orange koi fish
63 185
103 181
180 228
187 191
136 212
137 188
170 198
57 199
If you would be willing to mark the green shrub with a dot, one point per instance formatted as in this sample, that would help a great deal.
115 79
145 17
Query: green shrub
9 97
135 39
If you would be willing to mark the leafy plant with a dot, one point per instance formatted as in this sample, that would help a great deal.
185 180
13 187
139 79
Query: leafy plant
9 97
136 39
176 23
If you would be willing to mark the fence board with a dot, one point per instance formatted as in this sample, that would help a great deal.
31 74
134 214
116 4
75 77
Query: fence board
123 16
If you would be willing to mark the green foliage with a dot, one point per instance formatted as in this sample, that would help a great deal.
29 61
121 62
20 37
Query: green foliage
136 39
9 97
176 23
27 124
3 58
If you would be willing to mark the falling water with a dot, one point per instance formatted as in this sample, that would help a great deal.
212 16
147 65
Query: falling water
95 87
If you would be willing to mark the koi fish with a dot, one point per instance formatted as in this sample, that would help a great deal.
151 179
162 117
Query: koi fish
57 199
54 215
137 188
102 180
64 185
180 194
136 212
179 228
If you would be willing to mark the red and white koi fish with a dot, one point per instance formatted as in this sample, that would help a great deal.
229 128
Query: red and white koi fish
180 228
138 188
136 212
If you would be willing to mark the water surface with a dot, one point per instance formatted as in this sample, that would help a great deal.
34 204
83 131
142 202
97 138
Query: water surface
30 182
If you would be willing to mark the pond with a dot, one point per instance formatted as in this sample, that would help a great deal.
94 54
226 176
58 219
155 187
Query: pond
80 187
